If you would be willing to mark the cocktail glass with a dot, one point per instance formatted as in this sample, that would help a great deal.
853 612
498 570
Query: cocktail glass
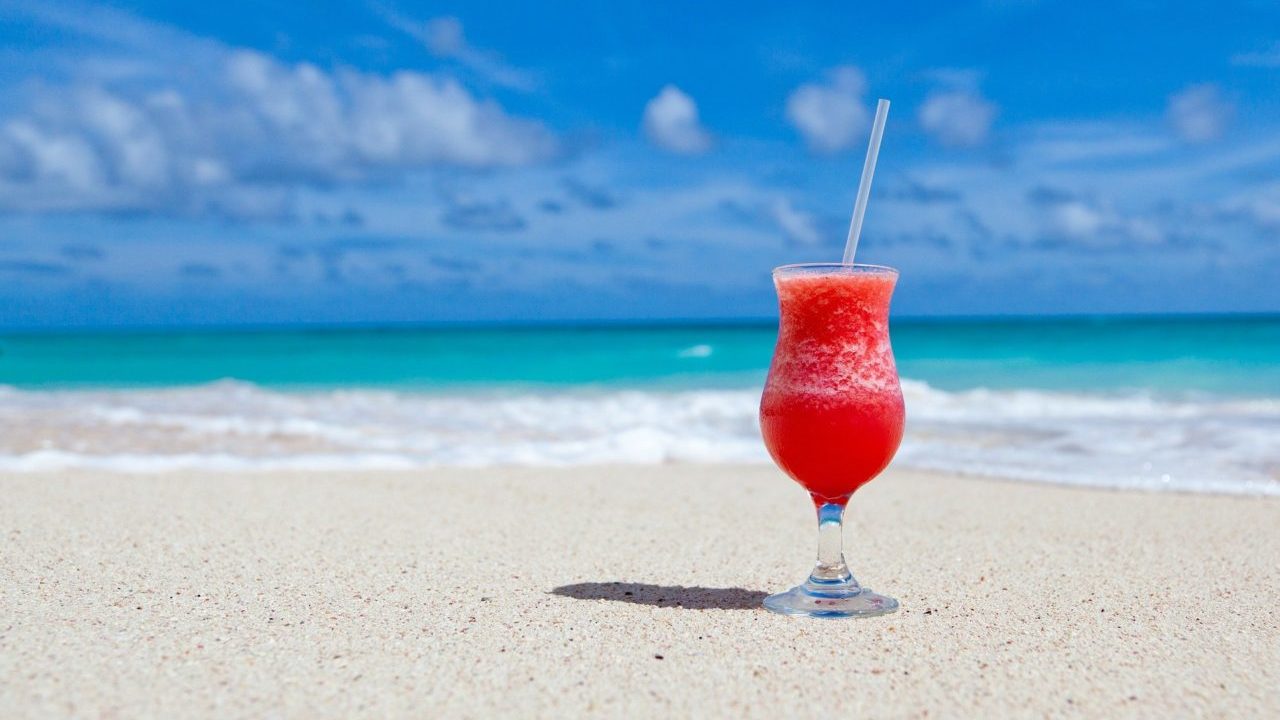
832 414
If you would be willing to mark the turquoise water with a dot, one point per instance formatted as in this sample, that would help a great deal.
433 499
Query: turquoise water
1220 355
1187 404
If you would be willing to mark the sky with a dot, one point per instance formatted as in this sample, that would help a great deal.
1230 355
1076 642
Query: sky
375 162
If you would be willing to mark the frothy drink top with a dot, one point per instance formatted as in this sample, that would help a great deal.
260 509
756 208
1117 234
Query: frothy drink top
834 332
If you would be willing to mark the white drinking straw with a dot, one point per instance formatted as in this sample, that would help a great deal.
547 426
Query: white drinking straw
864 186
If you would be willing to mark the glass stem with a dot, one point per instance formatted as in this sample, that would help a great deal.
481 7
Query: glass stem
830 569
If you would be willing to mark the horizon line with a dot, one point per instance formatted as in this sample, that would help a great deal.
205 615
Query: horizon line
600 323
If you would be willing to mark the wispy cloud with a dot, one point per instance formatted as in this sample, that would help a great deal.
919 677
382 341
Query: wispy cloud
1260 207
445 38
1085 143
671 122
1079 219
1267 58
113 31
799 226
774 213
1122 187
1200 113
957 114
831 115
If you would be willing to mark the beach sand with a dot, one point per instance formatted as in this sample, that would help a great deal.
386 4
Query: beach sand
624 591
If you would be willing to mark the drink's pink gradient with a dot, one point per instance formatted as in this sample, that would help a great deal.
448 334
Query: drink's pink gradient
832 413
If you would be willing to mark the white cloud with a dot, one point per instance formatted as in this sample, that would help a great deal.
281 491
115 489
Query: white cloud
1087 143
1269 58
1089 222
1114 186
1075 219
40 155
1259 207
1082 220
800 227
239 144
1199 113
404 120
958 116
831 116
671 122
445 38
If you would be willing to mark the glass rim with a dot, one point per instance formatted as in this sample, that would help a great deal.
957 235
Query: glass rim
833 267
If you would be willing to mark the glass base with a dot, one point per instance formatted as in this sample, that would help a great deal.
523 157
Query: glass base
830 600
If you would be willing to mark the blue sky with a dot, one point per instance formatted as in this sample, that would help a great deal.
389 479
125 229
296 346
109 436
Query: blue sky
392 161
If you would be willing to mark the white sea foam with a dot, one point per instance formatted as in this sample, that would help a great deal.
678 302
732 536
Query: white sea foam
696 351
1204 444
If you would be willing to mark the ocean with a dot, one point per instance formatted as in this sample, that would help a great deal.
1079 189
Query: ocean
1190 404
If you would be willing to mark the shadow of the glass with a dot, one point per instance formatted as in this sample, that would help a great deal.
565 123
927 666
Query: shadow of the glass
689 598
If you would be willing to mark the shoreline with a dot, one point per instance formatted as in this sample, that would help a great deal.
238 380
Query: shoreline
1216 444
394 465
624 590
